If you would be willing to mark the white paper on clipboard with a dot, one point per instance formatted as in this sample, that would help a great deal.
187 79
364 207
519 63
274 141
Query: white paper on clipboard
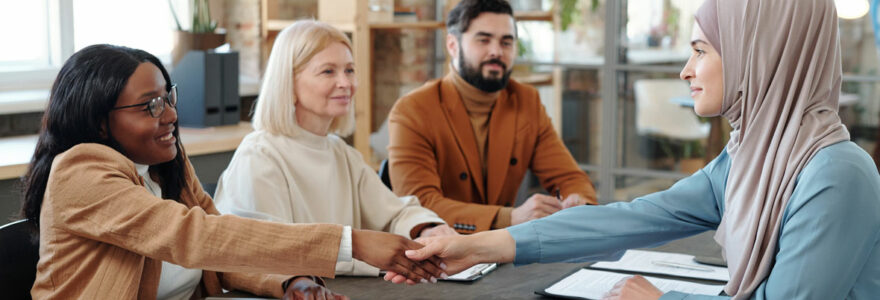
652 262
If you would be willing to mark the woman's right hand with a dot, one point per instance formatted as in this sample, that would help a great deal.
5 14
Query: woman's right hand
459 252
386 251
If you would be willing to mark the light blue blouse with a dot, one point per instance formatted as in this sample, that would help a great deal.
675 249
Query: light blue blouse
829 242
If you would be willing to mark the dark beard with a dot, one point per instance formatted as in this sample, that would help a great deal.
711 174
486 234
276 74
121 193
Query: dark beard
475 76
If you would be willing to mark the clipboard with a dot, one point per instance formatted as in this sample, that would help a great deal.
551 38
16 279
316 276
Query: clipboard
543 291
584 278
473 273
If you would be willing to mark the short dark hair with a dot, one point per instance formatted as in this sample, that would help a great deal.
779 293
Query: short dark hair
464 12
85 91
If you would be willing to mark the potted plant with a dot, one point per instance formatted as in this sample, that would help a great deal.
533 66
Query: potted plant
202 35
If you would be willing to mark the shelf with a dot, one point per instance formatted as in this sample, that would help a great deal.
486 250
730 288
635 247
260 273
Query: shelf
345 27
533 16
278 25
534 78
200 141
409 25
18 150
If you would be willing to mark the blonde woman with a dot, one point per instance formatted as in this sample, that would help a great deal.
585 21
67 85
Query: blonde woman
295 168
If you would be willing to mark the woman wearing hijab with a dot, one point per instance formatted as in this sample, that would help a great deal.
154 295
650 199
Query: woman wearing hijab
795 204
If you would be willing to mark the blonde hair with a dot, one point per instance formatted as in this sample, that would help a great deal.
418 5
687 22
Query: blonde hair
294 47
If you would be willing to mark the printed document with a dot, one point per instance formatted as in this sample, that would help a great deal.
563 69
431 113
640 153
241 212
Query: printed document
674 264
592 284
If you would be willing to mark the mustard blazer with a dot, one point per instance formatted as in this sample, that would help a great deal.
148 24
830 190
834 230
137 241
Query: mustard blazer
104 236
433 153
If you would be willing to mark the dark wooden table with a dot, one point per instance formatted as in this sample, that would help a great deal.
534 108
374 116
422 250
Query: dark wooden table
507 282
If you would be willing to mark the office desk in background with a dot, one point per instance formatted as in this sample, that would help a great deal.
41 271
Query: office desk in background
209 150
18 150
507 282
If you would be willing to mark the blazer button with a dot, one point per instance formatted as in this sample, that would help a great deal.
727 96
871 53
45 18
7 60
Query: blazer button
462 176
513 161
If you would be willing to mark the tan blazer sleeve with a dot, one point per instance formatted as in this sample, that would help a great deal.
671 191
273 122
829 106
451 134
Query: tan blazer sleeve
553 164
96 193
414 171
266 285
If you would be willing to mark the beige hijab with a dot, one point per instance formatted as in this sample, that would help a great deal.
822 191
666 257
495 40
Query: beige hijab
782 74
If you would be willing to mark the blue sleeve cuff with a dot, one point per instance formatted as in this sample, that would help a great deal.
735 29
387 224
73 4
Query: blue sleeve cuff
673 296
528 243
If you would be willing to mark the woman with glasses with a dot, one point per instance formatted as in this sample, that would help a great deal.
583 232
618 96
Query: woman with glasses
294 168
794 204
121 214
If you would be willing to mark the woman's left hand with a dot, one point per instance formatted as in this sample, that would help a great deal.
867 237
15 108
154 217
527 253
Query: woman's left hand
304 288
439 230
633 287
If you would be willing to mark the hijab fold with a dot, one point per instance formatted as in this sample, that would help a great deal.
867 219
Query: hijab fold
782 76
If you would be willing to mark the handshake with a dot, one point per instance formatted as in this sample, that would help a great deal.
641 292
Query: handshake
428 258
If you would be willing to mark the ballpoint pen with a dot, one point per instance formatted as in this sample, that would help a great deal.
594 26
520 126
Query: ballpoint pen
489 269
481 270
680 265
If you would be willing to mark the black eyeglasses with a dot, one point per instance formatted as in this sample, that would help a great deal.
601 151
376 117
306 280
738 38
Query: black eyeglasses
156 106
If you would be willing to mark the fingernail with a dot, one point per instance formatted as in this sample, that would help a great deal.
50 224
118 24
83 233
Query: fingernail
423 280
409 252
433 279
442 275
443 266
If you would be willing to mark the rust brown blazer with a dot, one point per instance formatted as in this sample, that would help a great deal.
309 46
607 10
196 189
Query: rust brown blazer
433 153
104 236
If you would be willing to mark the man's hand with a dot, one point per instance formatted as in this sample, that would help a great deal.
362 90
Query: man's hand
439 230
573 200
635 288
385 251
304 288
536 207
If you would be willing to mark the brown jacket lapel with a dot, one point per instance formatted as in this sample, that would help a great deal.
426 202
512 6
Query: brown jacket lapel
502 130
458 120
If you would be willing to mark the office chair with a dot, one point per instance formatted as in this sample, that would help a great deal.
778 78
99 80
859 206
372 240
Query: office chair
209 188
383 173
19 253
669 123
657 115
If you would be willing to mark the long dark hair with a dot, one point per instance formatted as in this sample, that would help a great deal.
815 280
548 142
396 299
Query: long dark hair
86 89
